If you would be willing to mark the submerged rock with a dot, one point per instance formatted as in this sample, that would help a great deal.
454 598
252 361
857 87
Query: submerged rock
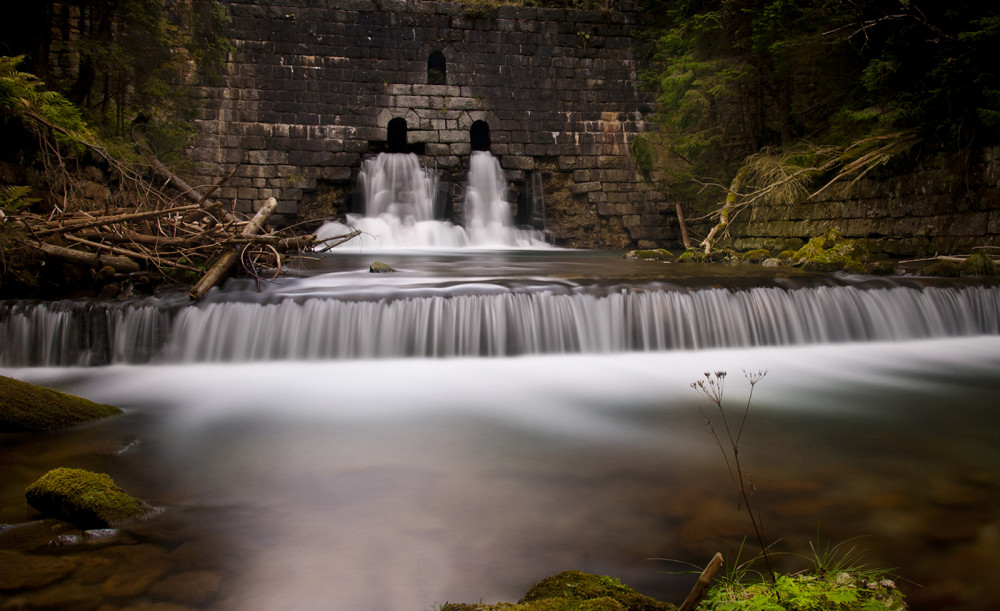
577 591
26 407
87 499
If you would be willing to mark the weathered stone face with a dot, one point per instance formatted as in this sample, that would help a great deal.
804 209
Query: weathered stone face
939 207
311 91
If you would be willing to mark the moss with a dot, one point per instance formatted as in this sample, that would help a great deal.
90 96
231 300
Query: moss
26 407
578 585
881 268
87 499
978 264
756 256
722 255
378 267
691 255
830 253
574 591
656 254
846 591
786 256
943 269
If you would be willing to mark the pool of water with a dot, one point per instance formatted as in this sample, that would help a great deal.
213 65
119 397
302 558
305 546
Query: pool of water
405 483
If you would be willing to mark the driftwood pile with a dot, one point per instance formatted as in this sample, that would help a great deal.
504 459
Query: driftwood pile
199 240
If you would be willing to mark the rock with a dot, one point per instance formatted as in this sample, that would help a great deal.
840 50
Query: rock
192 588
658 254
772 262
26 571
134 580
580 586
67 596
378 267
26 407
575 590
87 499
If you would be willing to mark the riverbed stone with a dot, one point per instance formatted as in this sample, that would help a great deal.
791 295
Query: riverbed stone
84 498
191 588
27 407
18 571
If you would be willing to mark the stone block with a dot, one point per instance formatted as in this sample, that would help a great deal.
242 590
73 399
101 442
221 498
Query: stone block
515 162
585 187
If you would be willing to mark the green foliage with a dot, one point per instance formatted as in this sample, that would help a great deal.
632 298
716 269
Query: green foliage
846 591
979 264
22 96
126 62
735 79
14 197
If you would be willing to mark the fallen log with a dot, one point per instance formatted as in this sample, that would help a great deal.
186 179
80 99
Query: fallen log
121 265
157 261
113 220
231 256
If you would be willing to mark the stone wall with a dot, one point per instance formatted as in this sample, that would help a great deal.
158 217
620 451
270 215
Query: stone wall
941 206
312 87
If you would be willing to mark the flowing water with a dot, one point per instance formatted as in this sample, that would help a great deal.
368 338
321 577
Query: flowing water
478 420
401 209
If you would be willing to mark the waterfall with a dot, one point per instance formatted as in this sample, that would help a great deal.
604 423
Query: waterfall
499 323
399 209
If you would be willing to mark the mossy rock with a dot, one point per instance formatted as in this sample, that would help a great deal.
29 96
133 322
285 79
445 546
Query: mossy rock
577 585
655 254
378 267
830 253
85 498
722 255
756 255
26 407
881 268
786 256
943 269
691 255
574 591
979 264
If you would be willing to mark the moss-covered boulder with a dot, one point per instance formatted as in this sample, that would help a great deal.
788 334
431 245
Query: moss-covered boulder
652 254
757 255
85 498
574 591
831 253
380 267
26 407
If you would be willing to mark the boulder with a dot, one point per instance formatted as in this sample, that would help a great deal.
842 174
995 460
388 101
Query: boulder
378 267
87 499
26 407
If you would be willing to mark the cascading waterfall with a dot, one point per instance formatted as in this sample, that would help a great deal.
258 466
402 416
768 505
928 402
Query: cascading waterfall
501 323
400 209
488 217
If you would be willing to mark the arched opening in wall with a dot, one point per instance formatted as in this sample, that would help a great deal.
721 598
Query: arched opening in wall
437 69
479 136
396 135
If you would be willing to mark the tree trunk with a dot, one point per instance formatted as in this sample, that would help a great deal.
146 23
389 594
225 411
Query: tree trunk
221 268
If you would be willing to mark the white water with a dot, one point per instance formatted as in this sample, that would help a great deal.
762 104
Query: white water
488 320
400 215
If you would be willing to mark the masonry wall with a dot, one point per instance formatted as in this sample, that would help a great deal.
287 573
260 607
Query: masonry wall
943 206
312 87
